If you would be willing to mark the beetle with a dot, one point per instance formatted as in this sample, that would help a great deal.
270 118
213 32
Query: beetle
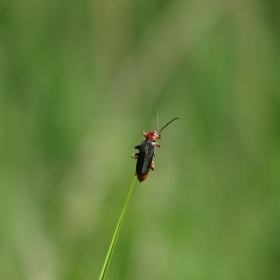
147 151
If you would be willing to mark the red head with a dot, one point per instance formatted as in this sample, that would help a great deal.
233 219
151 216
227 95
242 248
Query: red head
153 135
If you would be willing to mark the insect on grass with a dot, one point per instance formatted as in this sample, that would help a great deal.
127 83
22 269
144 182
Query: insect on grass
147 151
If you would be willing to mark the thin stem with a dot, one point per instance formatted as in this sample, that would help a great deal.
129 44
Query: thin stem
116 233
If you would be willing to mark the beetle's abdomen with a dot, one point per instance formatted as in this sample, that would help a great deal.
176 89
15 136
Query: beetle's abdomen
141 177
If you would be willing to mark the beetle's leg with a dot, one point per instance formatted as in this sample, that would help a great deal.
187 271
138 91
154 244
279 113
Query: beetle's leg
138 147
157 144
152 166
134 155
144 134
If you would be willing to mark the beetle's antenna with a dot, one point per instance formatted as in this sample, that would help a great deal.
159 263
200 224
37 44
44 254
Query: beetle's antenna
169 123
156 120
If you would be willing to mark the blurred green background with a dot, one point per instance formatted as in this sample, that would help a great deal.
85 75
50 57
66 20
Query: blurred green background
78 84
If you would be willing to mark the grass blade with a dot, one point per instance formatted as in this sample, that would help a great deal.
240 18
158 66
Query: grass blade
116 233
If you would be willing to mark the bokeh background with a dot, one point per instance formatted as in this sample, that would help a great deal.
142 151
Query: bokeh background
78 83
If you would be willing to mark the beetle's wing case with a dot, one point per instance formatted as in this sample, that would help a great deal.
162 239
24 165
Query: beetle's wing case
145 156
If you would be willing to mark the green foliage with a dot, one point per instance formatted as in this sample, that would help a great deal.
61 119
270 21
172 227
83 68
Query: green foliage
78 83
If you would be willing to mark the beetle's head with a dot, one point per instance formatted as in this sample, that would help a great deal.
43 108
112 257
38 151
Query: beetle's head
153 135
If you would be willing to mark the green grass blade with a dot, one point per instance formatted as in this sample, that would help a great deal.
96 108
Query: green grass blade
116 233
